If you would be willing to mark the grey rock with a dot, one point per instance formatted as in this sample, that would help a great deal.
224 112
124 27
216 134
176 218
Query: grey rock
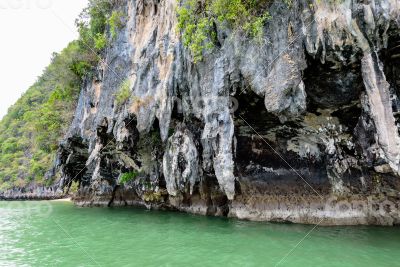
317 116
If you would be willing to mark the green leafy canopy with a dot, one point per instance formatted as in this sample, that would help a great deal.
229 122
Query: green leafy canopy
197 21
31 131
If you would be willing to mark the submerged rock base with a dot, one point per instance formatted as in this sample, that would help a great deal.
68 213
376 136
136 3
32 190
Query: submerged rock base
325 211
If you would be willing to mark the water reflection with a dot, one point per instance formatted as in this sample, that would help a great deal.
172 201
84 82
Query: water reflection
71 236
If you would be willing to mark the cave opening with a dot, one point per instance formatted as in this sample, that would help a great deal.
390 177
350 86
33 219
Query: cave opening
335 88
253 123
109 166
262 154
334 91
73 155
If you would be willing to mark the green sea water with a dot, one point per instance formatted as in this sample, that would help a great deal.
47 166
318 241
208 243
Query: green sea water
60 234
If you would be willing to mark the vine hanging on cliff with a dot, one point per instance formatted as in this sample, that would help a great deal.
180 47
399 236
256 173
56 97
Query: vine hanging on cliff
198 19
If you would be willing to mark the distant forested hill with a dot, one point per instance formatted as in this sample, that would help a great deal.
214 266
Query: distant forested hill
30 132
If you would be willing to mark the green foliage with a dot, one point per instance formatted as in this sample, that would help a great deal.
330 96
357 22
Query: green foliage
81 68
34 125
197 29
116 22
74 187
5 186
93 21
128 176
100 41
197 21
123 93
98 11
92 25
151 196
30 132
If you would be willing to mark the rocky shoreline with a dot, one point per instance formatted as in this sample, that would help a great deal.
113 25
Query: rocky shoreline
305 209
35 193
325 210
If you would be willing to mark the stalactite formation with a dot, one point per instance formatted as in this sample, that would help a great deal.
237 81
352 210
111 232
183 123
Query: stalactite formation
277 129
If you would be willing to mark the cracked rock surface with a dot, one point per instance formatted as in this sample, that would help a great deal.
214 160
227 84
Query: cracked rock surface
276 130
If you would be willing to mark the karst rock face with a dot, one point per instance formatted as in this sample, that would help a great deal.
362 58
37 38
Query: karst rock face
300 126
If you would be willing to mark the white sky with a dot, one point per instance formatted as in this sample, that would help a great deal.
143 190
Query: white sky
30 31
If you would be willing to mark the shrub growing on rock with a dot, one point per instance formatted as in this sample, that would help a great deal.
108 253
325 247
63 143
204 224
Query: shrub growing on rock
124 92
198 20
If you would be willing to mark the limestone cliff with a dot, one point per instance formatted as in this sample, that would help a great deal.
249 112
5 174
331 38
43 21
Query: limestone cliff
300 126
